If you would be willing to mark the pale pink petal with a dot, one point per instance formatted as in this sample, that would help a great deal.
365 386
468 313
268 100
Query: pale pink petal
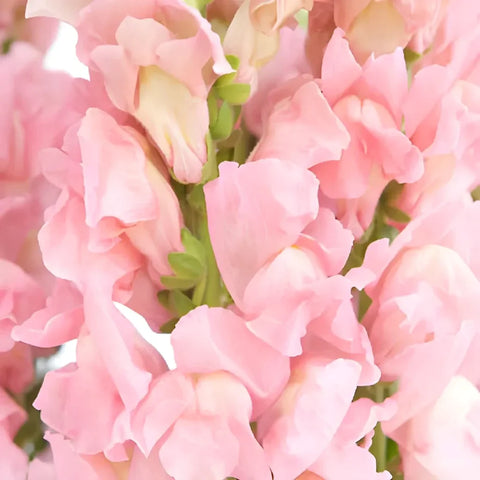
206 340
339 69
203 447
305 418
269 216
169 396
302 129
221 394
269 15
114 172
289 62
66 11
57 323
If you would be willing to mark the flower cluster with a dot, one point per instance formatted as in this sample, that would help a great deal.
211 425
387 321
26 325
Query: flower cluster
287 188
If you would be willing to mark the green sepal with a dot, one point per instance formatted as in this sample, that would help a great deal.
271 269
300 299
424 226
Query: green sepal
176 302
233 60
226 79
185 265
364 302
198 4
476 194
411 56
223 126
212 104
302 18
164 298
396 214
193 245
234 93
391 192
172 283
6 45
229 78
210 169
180 303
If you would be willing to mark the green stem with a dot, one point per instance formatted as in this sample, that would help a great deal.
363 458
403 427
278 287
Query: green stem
379 448
213 287
379 441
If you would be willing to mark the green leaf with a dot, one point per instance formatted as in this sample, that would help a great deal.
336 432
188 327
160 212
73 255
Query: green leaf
172 283
185 265
223 126
234 93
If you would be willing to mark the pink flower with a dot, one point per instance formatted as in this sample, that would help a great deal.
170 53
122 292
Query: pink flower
300 126
13 460
289 62
347 455
273 215
37 111
17 368
117 213
303 421
424 308
58 322
286 286
269 15
451 424
63 461
216 408
88 402
377 27
158 61
207 340
454 38
442 115
368 101
13 27
251 46
20 297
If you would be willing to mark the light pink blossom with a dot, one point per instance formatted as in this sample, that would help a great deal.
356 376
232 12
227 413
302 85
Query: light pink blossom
442 441
368 100
158 61
13 460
